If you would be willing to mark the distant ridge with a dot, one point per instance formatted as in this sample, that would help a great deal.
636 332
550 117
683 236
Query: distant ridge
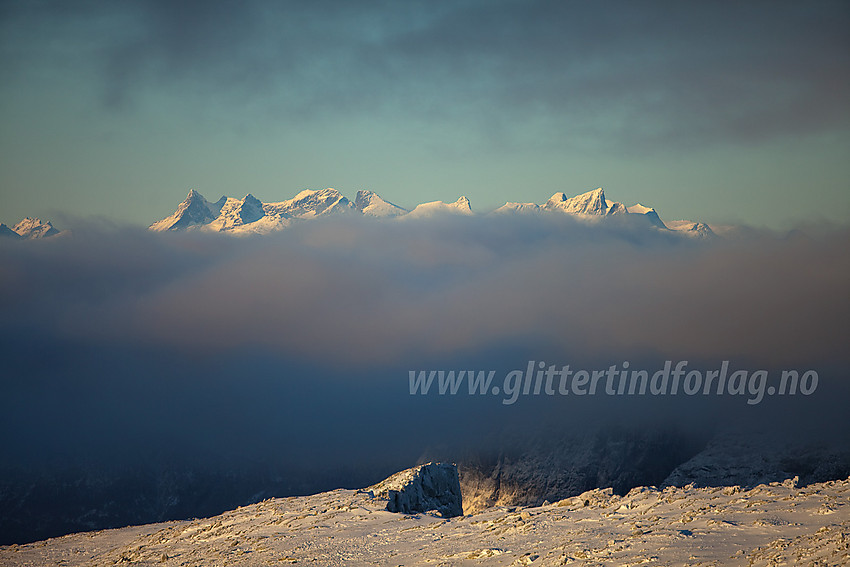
251 216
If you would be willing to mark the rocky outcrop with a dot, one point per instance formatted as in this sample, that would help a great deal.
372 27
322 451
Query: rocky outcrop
550 467
432 487
749 459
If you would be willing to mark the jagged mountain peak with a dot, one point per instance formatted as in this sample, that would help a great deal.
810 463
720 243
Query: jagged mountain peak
195 197
372 204
589 203
463 203
639 209
195 210
32 227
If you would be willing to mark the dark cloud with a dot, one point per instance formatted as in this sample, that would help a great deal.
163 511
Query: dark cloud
377 294
128 345
153 331
658 73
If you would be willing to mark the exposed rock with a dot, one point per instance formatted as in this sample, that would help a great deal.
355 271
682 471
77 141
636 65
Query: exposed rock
535 469
34 228
425 488
749 459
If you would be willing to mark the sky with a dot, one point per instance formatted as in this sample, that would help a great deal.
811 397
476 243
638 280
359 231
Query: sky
712 111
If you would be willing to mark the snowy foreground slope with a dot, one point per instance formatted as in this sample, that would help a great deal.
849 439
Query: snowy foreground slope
775 524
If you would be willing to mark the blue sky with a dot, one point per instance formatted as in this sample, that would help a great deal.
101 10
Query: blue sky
714 111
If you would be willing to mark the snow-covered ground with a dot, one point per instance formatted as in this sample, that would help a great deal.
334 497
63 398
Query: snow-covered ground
773 524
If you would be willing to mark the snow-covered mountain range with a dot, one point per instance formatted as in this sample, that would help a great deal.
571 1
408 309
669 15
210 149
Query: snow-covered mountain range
28 228
251 216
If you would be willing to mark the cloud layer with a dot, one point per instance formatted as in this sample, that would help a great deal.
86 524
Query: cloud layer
373 294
